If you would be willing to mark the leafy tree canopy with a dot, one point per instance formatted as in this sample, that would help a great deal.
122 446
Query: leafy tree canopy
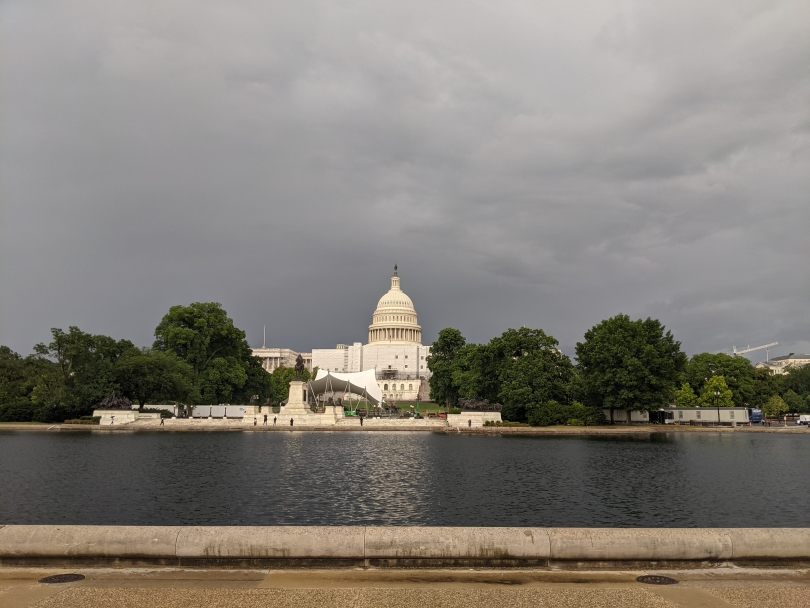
629 365
716 393
794 402
442 357
520 369
738 372
797 379
686 397
223 368
153 376
775 406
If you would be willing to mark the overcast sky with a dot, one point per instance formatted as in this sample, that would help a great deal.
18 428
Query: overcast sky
547 164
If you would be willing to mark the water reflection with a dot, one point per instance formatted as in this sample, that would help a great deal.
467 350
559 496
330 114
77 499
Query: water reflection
666 479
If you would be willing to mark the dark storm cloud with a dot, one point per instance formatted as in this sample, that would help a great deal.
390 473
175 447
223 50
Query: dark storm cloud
545 165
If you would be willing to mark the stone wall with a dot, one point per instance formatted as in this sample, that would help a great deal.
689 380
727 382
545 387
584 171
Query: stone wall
352 546
472 419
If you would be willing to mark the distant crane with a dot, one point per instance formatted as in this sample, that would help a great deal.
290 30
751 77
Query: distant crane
767 348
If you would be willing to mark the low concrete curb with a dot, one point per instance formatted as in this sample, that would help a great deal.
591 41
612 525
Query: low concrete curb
352 546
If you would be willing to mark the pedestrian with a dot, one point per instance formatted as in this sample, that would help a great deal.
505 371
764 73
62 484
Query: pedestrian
274 420
254 421
161 421
361 421
469 423
112 419
291 421
265 420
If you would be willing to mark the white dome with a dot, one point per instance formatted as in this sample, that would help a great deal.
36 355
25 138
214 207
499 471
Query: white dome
395 318
395 298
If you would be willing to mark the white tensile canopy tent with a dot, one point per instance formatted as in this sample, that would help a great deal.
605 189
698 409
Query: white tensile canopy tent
363 384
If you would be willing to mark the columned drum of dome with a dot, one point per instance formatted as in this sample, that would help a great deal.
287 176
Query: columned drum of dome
395 320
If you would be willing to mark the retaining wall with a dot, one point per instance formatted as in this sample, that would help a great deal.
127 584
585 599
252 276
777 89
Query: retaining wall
352 546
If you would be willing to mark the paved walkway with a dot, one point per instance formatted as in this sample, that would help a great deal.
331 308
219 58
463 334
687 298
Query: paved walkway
183 588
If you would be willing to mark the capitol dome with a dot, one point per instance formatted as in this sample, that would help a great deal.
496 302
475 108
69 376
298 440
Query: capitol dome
395 320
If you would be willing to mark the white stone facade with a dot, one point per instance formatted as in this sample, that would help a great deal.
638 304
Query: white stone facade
394 351
781 365
277 357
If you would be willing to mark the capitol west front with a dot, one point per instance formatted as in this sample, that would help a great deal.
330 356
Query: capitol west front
394 350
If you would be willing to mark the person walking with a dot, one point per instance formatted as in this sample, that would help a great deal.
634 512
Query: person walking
161 421
265 420
469 423
274 420
254 421
361 421
291 421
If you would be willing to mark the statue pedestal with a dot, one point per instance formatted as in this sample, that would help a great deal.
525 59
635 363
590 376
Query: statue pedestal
296 407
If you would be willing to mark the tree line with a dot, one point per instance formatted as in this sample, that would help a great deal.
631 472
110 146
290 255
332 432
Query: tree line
198 356
621 364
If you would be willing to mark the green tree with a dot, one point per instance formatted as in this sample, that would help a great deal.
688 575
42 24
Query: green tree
723 398
796 379
775 407
740 375
629 365
794 402
686 397
765 385
17 375
256 384
153 375
442 357
203 335
83 375
520 369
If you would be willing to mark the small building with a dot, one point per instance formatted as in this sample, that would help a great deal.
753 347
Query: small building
703 415
620 416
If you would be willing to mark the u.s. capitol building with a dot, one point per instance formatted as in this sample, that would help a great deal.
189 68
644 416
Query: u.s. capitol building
394 350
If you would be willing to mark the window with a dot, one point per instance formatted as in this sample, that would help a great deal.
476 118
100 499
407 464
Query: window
406 356
731 414
385 387
396 356
698 415
423 358
402 387
680 415
423 367
406 367
410 388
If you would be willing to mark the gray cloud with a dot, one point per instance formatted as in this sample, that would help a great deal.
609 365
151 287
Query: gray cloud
547 165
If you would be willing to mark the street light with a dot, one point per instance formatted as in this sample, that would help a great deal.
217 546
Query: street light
717 405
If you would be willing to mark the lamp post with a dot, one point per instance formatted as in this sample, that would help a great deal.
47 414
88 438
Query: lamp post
717 405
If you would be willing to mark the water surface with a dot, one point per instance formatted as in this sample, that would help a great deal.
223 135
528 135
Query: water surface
388 478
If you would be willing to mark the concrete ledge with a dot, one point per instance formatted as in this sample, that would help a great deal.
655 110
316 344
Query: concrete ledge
67 542
654 544
271 542
423 546
352 546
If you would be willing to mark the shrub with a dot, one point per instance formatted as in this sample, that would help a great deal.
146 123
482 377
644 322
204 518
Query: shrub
552 412
455 410
83 421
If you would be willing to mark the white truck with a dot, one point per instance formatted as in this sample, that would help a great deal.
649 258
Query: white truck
804 419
